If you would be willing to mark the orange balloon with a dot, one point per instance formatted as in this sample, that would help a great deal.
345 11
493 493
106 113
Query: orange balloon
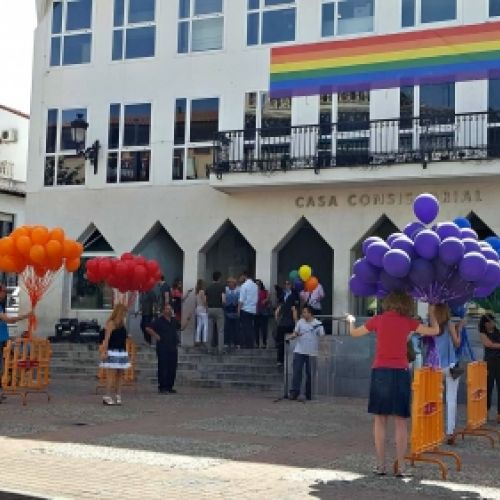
40 271
7 245
80 248
20 231
23 245
57 234
54 249
7 264
54 264
37 254
40 235
311 284
71 250
72 265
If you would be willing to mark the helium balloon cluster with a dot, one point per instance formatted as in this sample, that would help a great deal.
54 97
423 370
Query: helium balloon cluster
445 263
129 273
43 249
302 279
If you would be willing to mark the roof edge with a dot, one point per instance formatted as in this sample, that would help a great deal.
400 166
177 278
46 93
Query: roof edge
15 111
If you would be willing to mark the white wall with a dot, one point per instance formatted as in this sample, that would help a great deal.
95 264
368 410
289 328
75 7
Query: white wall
15 152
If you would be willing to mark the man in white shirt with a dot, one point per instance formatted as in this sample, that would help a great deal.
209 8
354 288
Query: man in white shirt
307 332
313 298
247 308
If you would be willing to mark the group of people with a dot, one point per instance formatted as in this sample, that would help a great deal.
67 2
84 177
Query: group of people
390 387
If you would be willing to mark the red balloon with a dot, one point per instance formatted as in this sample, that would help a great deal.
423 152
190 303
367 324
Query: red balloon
152 267
93 278
105 267
127 256
121 270
92 265
140 274
140 260
150 283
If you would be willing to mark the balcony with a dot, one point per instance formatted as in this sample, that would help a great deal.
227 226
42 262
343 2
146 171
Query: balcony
436 146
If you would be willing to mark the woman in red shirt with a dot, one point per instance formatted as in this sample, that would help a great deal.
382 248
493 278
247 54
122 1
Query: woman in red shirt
390 381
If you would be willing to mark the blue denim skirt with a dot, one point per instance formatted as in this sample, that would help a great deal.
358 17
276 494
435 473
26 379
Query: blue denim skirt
390 392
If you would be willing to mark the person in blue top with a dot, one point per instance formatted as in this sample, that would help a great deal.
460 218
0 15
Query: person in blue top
447 341
4 321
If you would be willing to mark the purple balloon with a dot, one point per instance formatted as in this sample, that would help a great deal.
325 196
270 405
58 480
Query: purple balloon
406 244
392 284
490 254
375 253
360 288
413 228
397 263
442 271
483 292
462 222
393 237
448 230
468 232
427 244
369 241
298 284
492 275
382 293
473 266
364 270
451 251
471 245
426 207
422 272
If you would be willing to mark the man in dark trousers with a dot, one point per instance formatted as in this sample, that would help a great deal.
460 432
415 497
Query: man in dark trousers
286 316
215 294
164 331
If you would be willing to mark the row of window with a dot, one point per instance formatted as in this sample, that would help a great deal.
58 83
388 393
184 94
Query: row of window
201 24
197 121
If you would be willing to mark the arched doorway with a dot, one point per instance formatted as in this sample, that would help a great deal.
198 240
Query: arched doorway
481 228
304 245
227 251
368 306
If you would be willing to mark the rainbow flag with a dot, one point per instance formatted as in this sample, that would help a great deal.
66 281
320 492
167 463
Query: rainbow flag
443 55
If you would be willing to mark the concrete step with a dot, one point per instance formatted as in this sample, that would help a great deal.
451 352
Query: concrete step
231 384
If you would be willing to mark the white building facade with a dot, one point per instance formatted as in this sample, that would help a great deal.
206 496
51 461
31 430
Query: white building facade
157 80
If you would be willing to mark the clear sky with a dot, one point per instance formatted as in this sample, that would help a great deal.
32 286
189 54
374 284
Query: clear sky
17 23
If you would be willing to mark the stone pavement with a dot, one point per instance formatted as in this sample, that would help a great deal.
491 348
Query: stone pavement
211 444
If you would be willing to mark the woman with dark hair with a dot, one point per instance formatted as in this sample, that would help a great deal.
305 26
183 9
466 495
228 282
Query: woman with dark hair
490 337
390 379
177 299
262 316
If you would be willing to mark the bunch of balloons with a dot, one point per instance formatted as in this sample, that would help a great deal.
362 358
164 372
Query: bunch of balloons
129 273
37 254
302 279
445 263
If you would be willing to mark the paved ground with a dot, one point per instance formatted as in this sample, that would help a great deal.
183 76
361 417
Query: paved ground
210 444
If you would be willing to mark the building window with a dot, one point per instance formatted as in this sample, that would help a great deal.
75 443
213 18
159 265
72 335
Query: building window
71 33
129 143
346 17
494 8
195 128
270 21
416 12
134 29
201 26
62 166
437 103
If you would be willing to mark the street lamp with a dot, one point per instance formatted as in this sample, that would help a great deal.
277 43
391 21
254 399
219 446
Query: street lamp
78 132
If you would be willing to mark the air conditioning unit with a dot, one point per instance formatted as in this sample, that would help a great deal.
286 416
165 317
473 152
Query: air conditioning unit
8 135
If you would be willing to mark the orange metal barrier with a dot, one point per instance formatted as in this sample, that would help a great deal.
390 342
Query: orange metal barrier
26 367
427 424
129 377
477 412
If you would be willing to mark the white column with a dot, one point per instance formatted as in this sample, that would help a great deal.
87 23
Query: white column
341 275
190 275
263 268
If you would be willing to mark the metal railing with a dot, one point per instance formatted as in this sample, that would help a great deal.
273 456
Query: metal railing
424 139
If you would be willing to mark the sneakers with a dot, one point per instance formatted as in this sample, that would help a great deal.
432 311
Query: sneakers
379 470
118 399
450 439
108 400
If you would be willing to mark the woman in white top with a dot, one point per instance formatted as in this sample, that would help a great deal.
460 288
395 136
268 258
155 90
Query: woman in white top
201 313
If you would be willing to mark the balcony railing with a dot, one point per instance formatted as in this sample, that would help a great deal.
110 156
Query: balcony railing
424 139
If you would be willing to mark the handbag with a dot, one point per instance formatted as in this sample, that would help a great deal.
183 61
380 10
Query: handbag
411 355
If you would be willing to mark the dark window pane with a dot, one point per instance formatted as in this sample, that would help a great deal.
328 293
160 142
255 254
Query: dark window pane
114 126
252 29
278 26
443 10
117 45
70 171
77 49
328 19
353 111
277 2
79 15
207 34
437 102
57 17
184 9
137 125
135 166
494 7
141 11
183 38
408 13
112 170
180 121
250 111
140 43
68 115
178 165
276 115
197 162
355 16
207 7
50 141
50 168
204 119
55 51
494 100
253 4
118 18
325 114
406 100
86 295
